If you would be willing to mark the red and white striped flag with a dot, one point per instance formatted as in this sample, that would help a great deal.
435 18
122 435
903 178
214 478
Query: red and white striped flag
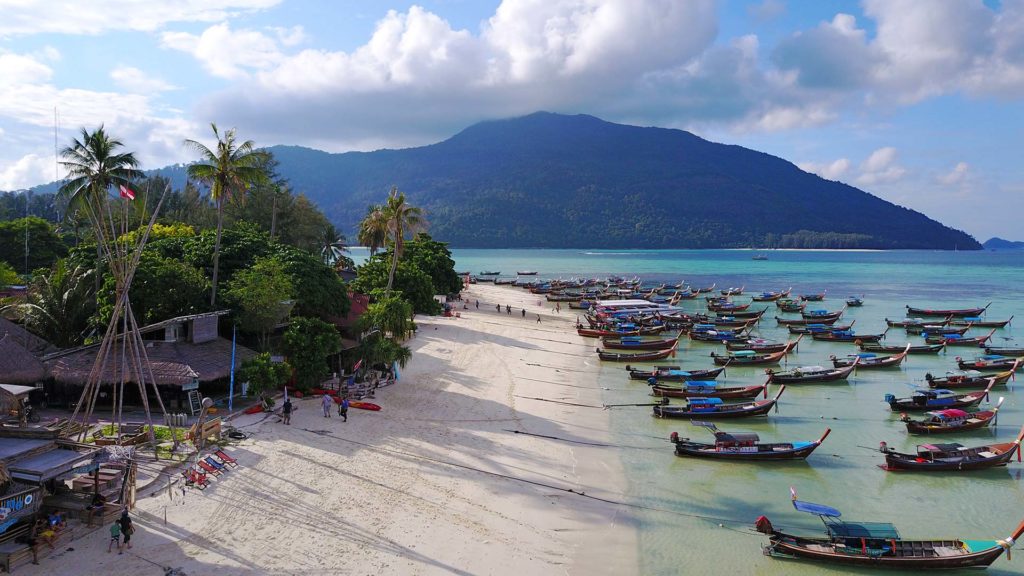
126 192
358 364
792 492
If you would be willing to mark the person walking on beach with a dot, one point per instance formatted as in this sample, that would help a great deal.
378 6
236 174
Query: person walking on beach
115 536
538 318
127 529
524 312
508 309
343 407
326 402
286 411
498 308
477 304
558 307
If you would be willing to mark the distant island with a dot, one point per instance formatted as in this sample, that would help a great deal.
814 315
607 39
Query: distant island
1000 244
556 181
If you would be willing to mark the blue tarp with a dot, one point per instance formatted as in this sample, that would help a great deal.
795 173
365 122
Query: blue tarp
819 509
706 401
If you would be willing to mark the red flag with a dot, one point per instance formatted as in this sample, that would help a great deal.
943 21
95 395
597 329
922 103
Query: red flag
127 192
358 364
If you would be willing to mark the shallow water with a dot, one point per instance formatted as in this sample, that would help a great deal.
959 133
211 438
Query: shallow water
842 473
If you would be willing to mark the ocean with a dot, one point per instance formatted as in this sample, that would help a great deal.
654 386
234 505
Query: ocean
703 511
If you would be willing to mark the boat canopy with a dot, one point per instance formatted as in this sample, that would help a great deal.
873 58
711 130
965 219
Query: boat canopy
972 319
806 369
744 353
817 312
705 401
701 384
870 530
739 438
939 447
951 413
993 357
817 509
865 355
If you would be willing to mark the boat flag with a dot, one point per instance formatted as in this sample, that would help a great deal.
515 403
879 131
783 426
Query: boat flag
126 192
394 367
358 364
792 492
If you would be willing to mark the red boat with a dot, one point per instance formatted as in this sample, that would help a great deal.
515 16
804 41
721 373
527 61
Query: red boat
952 420
636 343
962 313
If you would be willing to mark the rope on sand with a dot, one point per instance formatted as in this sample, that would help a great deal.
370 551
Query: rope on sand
557 401
599 444
168 571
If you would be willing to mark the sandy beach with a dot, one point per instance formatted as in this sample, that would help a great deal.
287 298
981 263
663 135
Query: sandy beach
421 487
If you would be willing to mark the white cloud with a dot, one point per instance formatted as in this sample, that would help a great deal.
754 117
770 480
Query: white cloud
25 172
766 10
290 36
227 53
955 176
830 171
23 17
881 167
22 69
136 81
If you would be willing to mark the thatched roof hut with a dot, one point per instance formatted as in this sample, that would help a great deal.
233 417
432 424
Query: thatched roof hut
17 364
34 344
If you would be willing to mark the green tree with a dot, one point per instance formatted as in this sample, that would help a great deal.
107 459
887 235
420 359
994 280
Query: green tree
263 295
264 375
333 245
60 303
401 218
390 315
373 229
228 170
377 349
162 288
309 342
435 259
8 277
413 284
44 244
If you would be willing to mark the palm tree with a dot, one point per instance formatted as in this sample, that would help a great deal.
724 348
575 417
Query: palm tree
59 305
93 166
228 171
333 244
373 230
401 218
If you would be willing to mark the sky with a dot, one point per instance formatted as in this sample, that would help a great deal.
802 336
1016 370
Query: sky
917 102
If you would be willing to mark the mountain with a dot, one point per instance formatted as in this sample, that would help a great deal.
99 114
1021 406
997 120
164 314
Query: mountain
557 181
1000 244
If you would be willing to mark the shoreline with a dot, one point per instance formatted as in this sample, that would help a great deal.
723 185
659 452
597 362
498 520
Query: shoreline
422 487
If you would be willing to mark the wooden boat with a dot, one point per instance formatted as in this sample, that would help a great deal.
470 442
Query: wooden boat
708 389
729 307
877 544
631 330
816 328
639 356
771 296
723 321
952 457
759 257
847 336
715 408
806 321
748 358
990 362
790 305
673 374
1005 351
813 297
937 399
935 329
719 335
706 290
967 379
741 314
526 272
762 346
810 374
637 343
961 313
951 420
812 314
731 446
915 322
489 273
870 360
854 301
958 340
733 291
977 322
922 349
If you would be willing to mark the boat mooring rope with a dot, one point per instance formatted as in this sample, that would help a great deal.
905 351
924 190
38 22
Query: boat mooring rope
600 444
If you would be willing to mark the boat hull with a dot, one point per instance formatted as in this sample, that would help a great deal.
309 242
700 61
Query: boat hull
790 546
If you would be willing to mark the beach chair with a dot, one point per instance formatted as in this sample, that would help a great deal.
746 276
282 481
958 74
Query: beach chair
225 458
218 465
211 469
193 478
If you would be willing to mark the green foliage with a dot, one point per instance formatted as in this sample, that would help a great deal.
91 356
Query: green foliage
12 205
379 350
390 314
319 292
60 304
8 277
262 293
308 342
264 375
159 232
413 284
44 244
162 288
435 259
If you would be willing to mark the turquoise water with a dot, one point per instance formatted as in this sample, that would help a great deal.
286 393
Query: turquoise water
841 473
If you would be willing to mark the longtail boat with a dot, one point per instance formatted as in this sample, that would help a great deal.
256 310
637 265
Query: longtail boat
706 290
937 399
1004 351
748 358
915 322
979 323
762 346
921 349
810 374
742 314
733 446
878 544
813 297
806 321
724 321
708 389
715 408
961 313
771 296
712 335
790 305
847 336
952 457
673 374
637 343
619 332
951 420
728 307
936 329
870 360
812 314
639 356
854 301
990 362
967 379
815 328
733 291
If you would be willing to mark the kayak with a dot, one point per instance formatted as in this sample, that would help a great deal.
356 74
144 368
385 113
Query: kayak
364 406
254 409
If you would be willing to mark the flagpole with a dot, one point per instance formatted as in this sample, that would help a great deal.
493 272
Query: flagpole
231 386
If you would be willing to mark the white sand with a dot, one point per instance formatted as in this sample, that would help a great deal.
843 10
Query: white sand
319 497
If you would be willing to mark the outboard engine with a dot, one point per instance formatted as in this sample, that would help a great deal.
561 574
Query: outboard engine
889 398
764 525
883 447
674 437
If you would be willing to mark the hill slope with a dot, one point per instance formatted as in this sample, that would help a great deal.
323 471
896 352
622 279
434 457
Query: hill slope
1000 244
549 180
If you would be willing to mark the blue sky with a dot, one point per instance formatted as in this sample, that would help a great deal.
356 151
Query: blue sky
916 102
